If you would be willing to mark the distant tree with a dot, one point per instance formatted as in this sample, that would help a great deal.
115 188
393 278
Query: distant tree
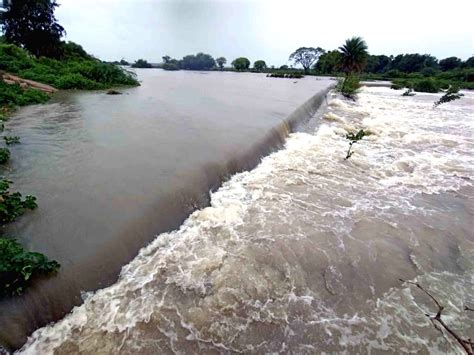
166 59
241 63
328 63
260 65
31 24
377 64
200 61
171 65
306 56
221 61
141 63
449 63
353 55
124 62
412 63
284 67
469 63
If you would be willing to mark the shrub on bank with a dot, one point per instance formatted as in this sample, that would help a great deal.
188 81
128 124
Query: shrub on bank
77 70
12 204
349 86
13 94
426 85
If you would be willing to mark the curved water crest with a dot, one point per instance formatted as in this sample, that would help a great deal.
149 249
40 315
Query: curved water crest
304 253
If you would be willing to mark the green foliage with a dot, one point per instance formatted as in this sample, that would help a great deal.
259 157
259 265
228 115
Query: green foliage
12 205
200 61
4 155
77 70
241 63
348 87
13 94
306 56
141 63
14 59
31 24
221 61
426 85
260 65
328 63
353 139
18 267
353 55
170 66
451 94
11 140
449 63
73 50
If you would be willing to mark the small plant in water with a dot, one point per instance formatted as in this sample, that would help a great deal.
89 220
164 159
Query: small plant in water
409 92
4 155
349 86
451 94
353 139
11 139
12 205
18 266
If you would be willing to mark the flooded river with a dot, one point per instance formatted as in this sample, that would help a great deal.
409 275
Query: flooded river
111 172
303 254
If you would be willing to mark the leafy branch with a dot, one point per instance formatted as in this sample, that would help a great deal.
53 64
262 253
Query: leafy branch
451 94
353 139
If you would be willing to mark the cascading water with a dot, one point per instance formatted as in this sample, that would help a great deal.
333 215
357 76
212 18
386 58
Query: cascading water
110 172
304 253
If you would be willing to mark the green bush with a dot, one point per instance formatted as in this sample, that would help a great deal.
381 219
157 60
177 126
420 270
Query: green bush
348 87
13 58
18 266
4 155
12 205
76 81
426 85
169 66
11 140
13 94
77 70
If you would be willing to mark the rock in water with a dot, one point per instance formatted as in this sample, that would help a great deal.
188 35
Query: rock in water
113 92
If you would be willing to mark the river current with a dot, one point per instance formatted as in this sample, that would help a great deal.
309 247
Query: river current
304 253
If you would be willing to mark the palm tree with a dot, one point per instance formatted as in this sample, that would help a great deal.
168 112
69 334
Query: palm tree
354 55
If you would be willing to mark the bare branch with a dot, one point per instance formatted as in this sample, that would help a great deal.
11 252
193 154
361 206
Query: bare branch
466 344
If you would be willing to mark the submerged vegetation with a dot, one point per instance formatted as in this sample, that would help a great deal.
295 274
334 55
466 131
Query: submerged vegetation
12 205
451 94
4 155
285 75
18 266
354 138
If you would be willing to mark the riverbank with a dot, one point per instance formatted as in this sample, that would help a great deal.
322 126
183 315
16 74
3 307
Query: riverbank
288 255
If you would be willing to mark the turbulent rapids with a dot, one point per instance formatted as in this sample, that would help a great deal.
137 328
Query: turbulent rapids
304 253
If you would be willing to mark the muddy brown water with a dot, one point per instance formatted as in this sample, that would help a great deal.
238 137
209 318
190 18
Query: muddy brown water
111 172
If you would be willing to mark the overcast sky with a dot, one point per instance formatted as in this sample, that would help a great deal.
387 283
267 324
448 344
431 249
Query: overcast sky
265 29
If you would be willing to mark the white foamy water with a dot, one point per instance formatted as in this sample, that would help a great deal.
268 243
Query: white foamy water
303 254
